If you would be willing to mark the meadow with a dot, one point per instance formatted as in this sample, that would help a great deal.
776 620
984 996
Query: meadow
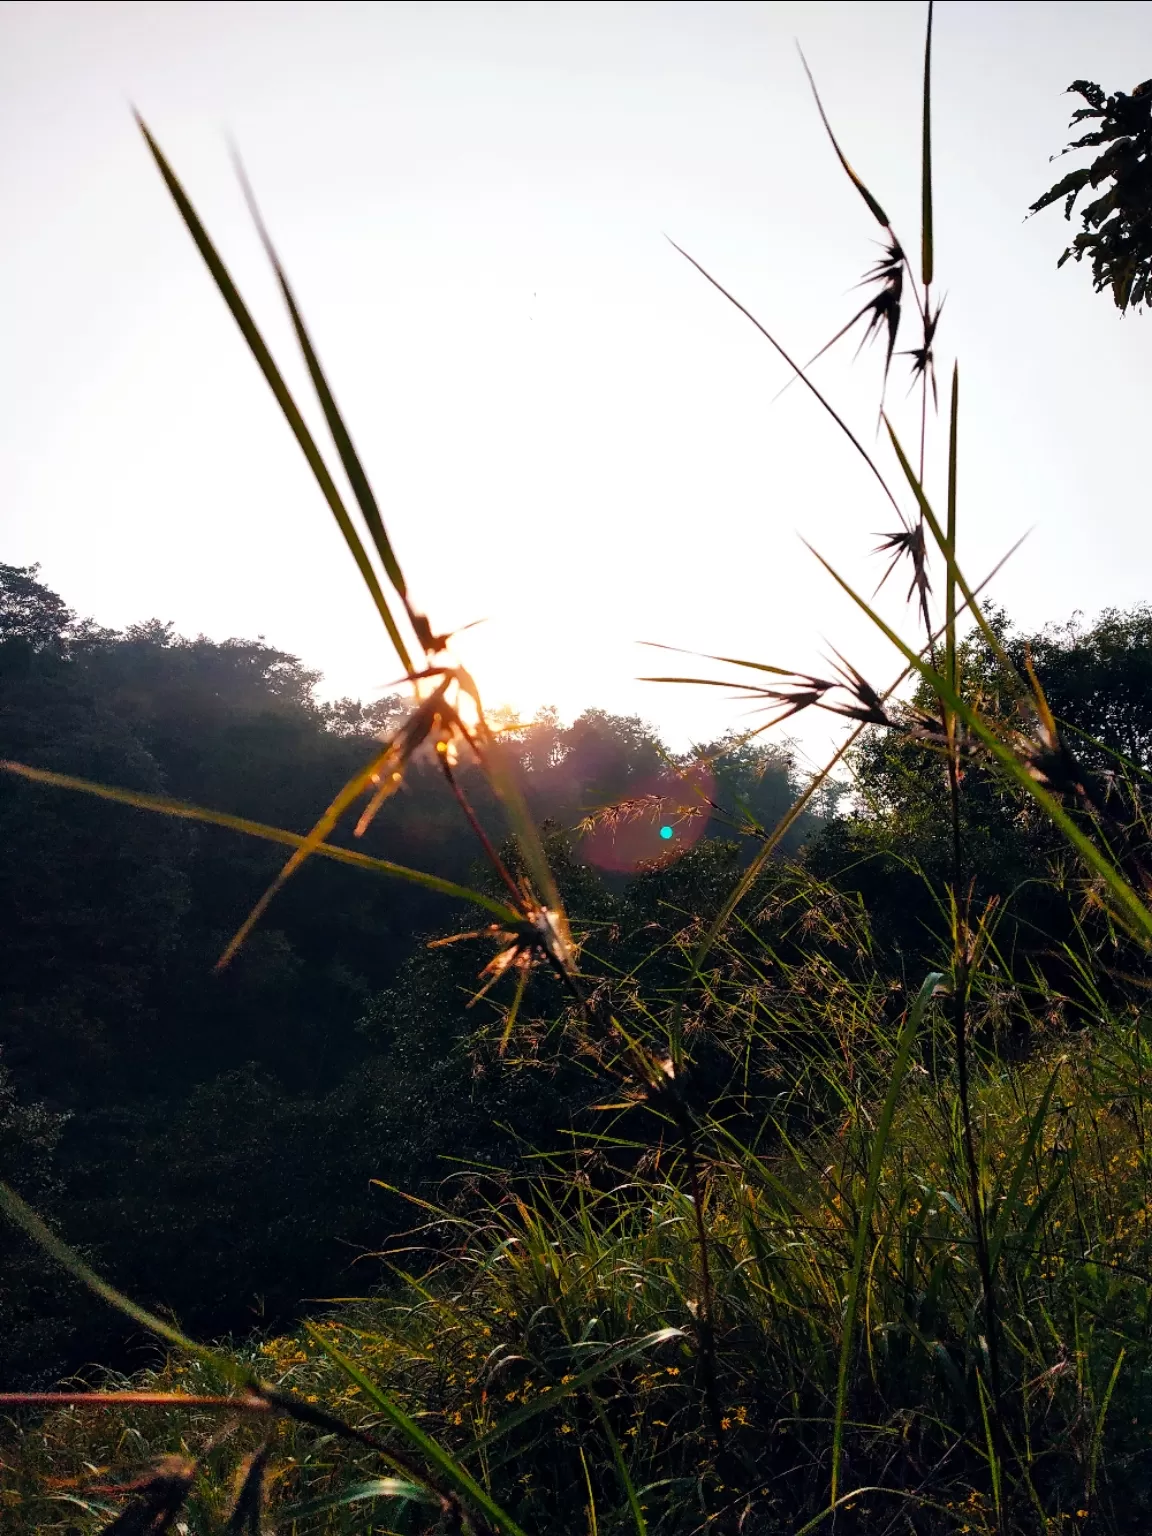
821 1198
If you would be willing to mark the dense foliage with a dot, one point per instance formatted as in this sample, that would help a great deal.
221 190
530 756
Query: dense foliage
209 1136
1117 225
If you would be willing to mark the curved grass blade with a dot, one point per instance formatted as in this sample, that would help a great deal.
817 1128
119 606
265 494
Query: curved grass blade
268 368
873 206
182 810
957 1515
800 374
544 1402
377 1488
351 791
904 1045
448 1467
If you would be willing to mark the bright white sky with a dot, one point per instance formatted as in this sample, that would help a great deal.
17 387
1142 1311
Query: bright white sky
569 432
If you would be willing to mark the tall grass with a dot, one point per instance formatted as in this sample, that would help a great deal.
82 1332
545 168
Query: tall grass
824 1256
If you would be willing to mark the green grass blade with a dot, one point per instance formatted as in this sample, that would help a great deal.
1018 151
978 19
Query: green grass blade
1019 1172
926 242
355 787
1098 1428
1127 900
350 459
948 551
256 344
544 1402
181 810
904 1046
622 1472
447 1466
994 1467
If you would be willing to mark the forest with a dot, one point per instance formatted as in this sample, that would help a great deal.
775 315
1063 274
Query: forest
209 1137
566 1133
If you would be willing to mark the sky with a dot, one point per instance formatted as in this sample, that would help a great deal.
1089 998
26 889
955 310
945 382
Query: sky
572 436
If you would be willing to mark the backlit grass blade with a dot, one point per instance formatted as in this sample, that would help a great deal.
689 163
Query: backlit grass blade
183 811
873 206
268 368
350 459
355 787
926 241
448 1467
904 1045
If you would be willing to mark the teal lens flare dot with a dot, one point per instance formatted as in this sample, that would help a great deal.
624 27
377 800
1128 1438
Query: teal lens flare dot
666 833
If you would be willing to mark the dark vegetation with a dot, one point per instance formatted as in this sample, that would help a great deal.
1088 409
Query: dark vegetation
1116 223
798 1176
208 1136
